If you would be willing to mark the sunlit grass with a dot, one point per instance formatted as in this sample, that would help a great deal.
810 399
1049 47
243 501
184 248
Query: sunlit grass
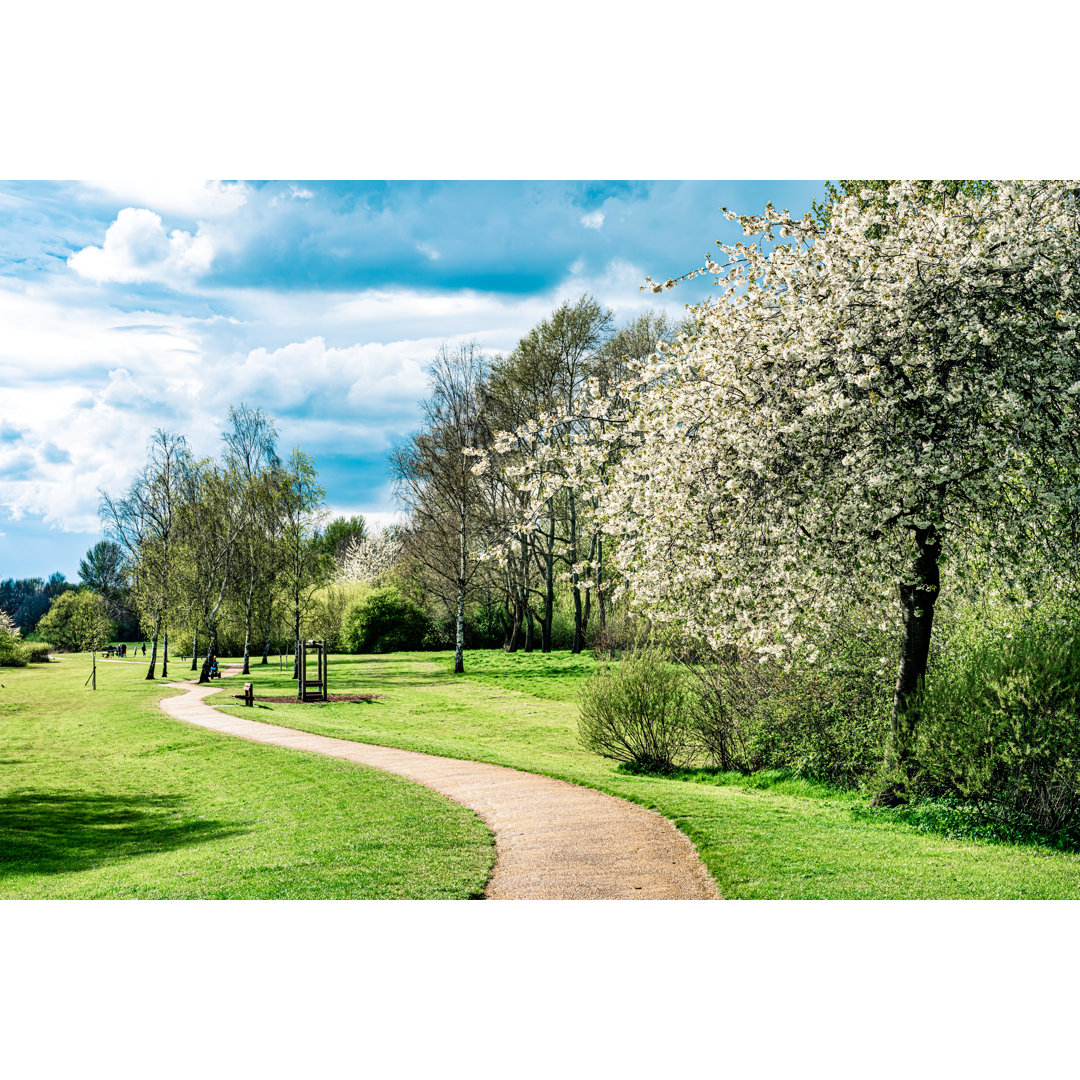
102 795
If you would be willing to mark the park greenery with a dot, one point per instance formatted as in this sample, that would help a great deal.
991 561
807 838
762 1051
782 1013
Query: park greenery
817 542
101 799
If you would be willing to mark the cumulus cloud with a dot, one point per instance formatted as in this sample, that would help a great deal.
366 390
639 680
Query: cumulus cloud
138 249
197 200
595 220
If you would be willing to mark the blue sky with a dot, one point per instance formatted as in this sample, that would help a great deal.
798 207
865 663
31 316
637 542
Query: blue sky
133 305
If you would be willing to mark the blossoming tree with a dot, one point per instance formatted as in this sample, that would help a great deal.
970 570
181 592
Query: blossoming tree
855 409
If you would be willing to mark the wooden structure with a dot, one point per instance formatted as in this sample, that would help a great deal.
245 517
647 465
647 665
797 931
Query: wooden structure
311 689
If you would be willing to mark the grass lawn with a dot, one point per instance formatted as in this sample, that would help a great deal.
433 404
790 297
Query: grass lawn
104 796
761 837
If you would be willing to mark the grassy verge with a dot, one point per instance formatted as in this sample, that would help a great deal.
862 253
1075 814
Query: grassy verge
104 796
761 837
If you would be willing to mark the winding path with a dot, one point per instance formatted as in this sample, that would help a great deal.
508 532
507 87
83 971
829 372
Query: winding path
553 840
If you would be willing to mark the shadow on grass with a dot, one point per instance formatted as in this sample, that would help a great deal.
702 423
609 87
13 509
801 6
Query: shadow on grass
66 831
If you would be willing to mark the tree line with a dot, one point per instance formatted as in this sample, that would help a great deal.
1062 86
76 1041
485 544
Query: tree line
515 539
235 539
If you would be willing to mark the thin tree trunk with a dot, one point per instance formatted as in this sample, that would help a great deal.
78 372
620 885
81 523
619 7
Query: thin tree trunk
153 648
549 581
266 643
601 606
917 608
194 649
459 643
296 638
211 650
165 653
247 626
579 629
530 632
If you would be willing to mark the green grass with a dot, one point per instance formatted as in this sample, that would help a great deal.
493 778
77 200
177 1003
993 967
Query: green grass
102 795
766 836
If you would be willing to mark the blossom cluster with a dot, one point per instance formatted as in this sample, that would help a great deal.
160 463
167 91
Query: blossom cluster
912 365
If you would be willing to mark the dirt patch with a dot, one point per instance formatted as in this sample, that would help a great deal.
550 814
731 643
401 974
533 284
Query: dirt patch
292 699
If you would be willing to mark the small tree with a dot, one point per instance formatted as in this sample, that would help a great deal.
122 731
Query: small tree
436 483
77 622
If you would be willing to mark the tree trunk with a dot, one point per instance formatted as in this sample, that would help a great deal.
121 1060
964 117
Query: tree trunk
579 628
296 639
165 652
194 649
549 581
266 643
211 650
601 607
153 649
247 625
530 632
459 642
917 607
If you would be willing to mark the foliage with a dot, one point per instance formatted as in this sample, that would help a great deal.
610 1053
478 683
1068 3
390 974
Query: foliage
37 652
78 622
634 711
338 535
824 721
27 599
329 606
826 724
1000 725
13 652
370 558
103 569
384 621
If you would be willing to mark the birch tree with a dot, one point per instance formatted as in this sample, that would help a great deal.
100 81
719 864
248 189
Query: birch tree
435 481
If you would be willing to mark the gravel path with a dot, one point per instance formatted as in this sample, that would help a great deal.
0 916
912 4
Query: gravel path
553 840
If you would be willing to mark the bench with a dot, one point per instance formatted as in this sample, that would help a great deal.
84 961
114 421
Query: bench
248 695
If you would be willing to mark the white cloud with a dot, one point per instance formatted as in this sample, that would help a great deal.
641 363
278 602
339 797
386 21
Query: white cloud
137 248
595 220
84 384
198 200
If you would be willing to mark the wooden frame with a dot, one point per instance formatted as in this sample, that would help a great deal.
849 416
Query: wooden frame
312 689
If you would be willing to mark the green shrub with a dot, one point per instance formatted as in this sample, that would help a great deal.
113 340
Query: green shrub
635 711
999 726
825 721
824 724
37 652
384 621
12 651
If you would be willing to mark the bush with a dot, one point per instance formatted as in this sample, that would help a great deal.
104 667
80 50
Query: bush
12 651
999 726
825 721
37 652
382 622
726 691
634 711
824 724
